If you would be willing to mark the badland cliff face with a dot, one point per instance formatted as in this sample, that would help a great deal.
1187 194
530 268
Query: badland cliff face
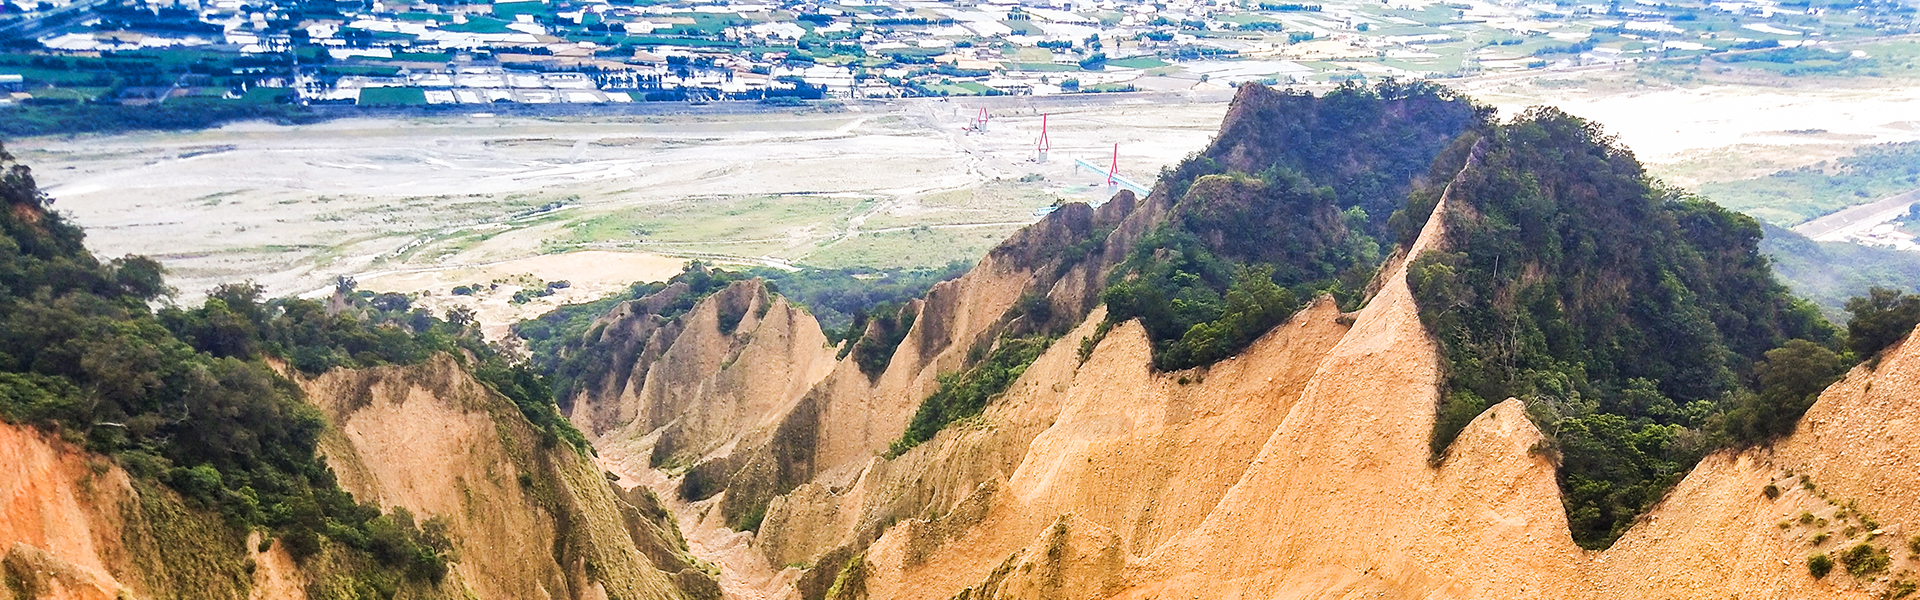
1299 468
525 518
528 516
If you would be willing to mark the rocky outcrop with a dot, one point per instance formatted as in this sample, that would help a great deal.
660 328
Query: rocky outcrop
528 515
1300 469
77 526
679 390
62 520
1852 465
763 406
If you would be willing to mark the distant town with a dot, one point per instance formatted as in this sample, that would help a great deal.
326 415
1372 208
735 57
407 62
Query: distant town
449 52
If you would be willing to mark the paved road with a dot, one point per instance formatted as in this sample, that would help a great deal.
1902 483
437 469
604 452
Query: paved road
53 19
1869 214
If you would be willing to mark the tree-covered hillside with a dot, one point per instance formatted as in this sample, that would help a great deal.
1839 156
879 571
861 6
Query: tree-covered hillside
1640 324
1297 197
186 397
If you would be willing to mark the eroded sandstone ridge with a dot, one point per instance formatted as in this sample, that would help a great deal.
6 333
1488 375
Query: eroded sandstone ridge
1299 468
526 517
739 454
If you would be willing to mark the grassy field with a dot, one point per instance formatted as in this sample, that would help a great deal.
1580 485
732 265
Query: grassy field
921 246
1046 67
1024 27
393 96
988 203
1138 62
824 230
742 226
510 10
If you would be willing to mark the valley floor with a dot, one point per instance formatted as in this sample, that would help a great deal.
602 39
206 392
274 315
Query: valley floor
426 204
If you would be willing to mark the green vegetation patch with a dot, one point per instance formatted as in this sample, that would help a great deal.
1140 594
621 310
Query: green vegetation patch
558 341
1819 565
479 24
423 56
267 95
840 298
509 10
393 96
1290 202
966 394
952 89
913 247
1865 560
883 327
1627 316
1138 62
1880 319
1794 196
114 118
186 397
720 224
1801 61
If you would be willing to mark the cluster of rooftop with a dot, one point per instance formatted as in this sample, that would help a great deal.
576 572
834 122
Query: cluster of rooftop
610 51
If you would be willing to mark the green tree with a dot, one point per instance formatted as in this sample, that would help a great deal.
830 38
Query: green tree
1791 379
1253 305
1880 318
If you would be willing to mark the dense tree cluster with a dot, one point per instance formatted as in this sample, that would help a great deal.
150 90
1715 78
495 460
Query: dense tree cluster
1880 318
49 119
1172 291
186 396
1367 144
1637 322
1290 202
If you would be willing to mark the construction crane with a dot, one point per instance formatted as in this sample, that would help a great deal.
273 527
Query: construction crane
1114 171
979 123
1041 146
1112 174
